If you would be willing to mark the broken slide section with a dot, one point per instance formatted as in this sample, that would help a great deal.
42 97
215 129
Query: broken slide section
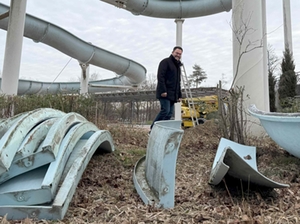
238 161
43 154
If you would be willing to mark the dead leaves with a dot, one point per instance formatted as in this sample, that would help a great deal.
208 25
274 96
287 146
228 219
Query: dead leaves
106 193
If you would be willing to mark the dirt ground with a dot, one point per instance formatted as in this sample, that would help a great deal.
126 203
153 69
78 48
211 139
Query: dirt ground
106 193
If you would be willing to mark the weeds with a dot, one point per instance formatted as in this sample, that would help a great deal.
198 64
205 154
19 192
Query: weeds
106 192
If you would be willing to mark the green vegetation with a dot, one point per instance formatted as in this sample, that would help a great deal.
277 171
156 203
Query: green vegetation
272 67
288 80
197 77
84 105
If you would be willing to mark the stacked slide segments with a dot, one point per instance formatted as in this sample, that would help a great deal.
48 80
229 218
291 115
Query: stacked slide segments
43 154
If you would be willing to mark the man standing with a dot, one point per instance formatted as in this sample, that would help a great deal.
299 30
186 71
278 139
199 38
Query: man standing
168 90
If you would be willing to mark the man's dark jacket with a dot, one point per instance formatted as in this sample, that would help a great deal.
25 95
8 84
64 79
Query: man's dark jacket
168 79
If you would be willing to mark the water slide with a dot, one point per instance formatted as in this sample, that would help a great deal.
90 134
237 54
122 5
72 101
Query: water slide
130 72
70 140
173 9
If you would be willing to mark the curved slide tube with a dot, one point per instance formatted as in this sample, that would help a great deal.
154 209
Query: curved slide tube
131 73
173 8
283 128
44 154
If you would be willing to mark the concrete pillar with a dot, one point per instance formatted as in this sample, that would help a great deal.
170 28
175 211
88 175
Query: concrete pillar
249 57
84 80
265 53
13 48
287 25
179 22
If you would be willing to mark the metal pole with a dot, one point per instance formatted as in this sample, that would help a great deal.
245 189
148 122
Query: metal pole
84 81
179 22
265 53
287 24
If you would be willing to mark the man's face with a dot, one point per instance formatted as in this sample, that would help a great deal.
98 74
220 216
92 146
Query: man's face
177 54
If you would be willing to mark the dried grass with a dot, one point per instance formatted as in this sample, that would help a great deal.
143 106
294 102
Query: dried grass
106 192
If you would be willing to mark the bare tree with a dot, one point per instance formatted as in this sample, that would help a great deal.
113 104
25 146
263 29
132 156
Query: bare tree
240 32
94 76
224 80
149 83
231 108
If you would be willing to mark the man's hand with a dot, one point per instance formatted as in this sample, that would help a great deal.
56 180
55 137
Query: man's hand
164 94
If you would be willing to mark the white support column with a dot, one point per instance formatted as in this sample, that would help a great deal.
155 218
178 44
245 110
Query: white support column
265 53
179 22
13 48
249 57
84 80
287 24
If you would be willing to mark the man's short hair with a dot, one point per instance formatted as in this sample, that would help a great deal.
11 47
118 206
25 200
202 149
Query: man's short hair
177 47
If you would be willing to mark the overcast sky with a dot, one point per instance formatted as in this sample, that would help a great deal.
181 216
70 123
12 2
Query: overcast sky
207 41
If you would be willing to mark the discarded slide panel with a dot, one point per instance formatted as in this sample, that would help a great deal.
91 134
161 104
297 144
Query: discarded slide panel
154 174
13 137
238 161
283 128
45 177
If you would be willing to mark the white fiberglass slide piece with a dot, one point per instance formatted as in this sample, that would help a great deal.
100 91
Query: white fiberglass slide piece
44 188
154 174
238 161
12 139
283 128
